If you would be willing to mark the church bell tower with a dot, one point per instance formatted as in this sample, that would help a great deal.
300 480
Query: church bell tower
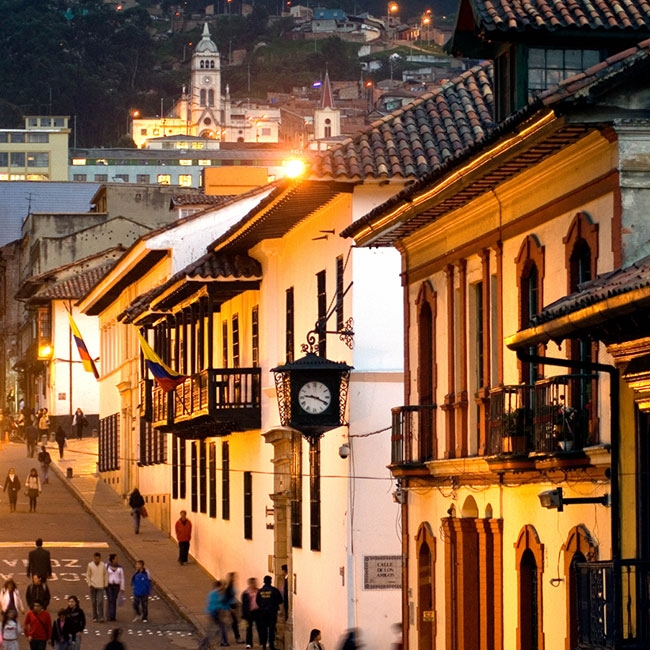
206 110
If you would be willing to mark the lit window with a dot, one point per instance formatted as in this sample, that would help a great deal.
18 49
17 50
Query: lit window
78 161
4 177
197 145
204 162
185 180
164 179
185 161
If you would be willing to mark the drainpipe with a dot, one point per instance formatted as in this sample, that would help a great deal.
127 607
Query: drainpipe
612 371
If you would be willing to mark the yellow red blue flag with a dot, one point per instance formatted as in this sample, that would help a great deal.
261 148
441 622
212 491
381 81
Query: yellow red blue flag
86 359
167 378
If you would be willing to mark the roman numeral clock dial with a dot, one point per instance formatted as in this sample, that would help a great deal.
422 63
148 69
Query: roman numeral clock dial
314 397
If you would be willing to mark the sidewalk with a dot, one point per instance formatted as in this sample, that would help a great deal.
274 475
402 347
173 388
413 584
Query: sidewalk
184 587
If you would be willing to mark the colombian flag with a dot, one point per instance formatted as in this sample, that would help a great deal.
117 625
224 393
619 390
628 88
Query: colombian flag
167 378
86 359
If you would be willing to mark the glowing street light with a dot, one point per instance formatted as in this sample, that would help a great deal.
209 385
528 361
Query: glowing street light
426 20
294 168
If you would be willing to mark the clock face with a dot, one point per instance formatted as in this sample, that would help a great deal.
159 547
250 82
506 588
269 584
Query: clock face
314 397
207 80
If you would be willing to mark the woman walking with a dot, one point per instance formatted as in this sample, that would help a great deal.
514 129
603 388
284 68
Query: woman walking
11 630
10 598
59 436
12 487
78 423
115 585
33 488
76 617
314 641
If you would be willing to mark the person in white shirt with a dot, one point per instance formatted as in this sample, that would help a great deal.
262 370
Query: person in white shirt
97 578
114 586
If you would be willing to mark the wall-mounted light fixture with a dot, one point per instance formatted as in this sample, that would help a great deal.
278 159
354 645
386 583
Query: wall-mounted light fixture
555 500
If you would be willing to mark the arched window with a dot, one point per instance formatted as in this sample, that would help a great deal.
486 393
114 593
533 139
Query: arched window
530 567
202 64
425 545
202 97
328 128
580 547
581 255
212 64
211 97
530 273
426 304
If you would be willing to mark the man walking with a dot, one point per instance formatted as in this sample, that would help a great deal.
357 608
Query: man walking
141 583
97 578
268 601
31 439
183 536
39 562
37 627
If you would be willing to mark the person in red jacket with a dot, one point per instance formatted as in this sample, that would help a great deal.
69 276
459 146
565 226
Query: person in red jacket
183 535
38 627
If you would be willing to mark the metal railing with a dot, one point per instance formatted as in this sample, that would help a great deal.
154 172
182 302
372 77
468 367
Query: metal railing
510 420
613 605
413 435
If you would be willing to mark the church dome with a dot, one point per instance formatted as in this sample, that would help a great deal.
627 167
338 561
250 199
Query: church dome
206 44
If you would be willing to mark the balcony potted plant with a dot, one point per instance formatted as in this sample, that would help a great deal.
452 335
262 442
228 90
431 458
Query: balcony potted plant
516 425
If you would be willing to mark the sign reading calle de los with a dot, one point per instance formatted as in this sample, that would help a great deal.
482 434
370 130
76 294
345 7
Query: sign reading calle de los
382 572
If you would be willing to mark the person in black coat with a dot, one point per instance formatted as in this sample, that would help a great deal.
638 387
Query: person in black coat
37 592
39 562
12 487
136 503
268 599
60 438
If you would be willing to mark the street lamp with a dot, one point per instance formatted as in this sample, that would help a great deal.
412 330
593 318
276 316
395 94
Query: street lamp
555 500
393 8
426 20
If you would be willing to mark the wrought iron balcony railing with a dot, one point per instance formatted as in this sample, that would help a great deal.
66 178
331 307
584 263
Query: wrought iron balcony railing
554 415
210 402
613 605
413 434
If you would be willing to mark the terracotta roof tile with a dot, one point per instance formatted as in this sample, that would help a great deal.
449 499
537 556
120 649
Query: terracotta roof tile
75 287
416 139
562 14
607 285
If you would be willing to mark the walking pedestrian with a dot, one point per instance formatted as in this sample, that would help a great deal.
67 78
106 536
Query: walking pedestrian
11 629
233 604
216 608
37 592
39 561
78 423
114 585
33 488
285 590
77 619
268 601
38 627
60 438
44 459
136 503
141 584
97 579
183 536
44 425
10 597
115 643
31 439
62 632
250 611
314 641
12 487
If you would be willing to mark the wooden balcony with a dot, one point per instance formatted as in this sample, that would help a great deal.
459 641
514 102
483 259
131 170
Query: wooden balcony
146 404
613 605
213 402
413 436
161 414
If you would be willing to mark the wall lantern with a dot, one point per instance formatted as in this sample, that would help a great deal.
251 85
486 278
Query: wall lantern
554 499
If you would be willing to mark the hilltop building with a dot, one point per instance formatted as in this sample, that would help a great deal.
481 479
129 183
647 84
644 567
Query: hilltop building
205 112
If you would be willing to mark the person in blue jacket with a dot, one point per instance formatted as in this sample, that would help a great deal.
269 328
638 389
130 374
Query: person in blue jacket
141 584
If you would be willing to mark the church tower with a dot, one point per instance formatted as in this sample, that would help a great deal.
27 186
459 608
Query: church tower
206 110
327 118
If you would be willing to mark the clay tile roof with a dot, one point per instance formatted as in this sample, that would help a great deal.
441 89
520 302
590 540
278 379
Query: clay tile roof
75 287
607 285
198 198
418 138
504 15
